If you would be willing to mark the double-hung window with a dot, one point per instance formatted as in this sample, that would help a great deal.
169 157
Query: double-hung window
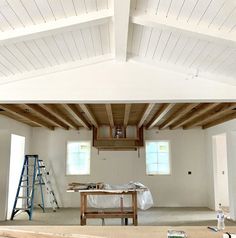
78 158
158 157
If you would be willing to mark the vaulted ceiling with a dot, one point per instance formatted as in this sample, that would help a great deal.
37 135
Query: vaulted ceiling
192 36
160 115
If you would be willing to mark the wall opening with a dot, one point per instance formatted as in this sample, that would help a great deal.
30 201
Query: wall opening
16 163
220 171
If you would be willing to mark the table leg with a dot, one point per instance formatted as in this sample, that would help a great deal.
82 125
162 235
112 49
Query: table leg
82 209
134 201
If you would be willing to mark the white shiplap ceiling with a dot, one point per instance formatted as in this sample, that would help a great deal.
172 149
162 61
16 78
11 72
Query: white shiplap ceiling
198 36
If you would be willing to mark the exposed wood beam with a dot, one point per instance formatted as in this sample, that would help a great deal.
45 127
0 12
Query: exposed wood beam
146 113
177 115
173 25
71 109
14 110
17 118
53 27
57 113
164 109
89 114
109 114
220 120
126 116
121 26
226 108
203 108
47 116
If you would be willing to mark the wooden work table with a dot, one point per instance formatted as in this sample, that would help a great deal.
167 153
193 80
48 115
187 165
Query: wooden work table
118 232
121 213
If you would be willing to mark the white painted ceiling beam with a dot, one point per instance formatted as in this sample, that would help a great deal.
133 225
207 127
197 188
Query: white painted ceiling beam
121 25
42 30
190 74
200 32
57 68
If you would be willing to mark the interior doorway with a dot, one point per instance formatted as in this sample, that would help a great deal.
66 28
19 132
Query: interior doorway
16 163
220 171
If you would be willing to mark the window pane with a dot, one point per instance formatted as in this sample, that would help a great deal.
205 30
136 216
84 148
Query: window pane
163 169
78 158
151 147
163 158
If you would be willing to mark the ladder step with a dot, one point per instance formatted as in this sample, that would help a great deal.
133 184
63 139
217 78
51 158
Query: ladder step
23 197
26 186
22 209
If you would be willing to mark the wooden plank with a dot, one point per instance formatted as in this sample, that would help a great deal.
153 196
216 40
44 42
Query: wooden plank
220 120
57 113
14 110
146 113
181 112
17 118
203 108
74 112
109 114
165 108
127 113
89 114
226 108
46 115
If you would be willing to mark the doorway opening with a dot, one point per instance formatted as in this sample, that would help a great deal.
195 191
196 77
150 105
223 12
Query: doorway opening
221 185
17 154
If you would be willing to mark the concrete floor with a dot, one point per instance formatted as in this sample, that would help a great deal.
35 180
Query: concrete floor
151 217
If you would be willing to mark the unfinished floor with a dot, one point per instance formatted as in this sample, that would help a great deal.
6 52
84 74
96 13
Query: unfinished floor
151 217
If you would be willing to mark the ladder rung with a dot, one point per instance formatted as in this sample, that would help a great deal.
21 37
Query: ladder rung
41 166
23 197
21 208
28 165
26 186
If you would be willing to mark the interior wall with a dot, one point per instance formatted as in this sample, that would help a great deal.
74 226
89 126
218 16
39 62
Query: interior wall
230 129
8 127
116 82
177 189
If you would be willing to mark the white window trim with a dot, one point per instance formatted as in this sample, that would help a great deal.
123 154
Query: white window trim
78 141
170 161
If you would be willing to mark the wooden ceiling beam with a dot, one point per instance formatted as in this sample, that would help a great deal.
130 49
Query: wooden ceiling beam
164 109
74 112
146 113
89 114
181 112
46 115
213 114
55 112
14 110
127 113
109 114
220 120
17 118
203 108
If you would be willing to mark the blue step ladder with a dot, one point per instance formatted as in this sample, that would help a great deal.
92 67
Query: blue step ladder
31 176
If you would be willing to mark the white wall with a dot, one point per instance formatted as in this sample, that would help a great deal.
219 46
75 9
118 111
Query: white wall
112 81
7 127
230 129
178 189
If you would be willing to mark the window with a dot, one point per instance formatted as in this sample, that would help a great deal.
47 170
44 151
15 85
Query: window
78 158
157 157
